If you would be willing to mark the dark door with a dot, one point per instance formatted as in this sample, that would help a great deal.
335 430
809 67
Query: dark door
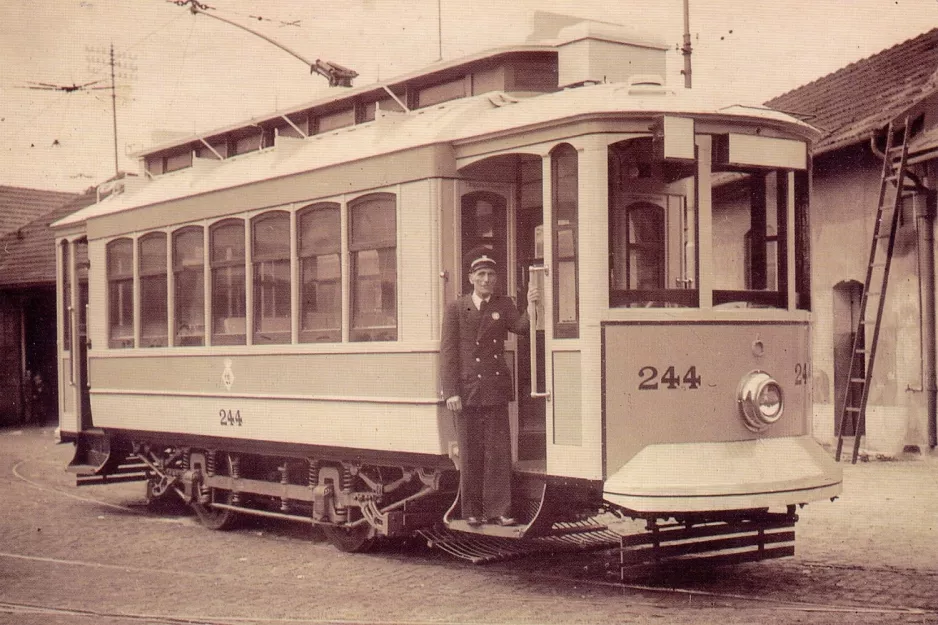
846 311
11 358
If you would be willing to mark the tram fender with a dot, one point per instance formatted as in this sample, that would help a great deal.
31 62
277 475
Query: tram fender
732 475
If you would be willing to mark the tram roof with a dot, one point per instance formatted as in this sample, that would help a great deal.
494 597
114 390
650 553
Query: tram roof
454 121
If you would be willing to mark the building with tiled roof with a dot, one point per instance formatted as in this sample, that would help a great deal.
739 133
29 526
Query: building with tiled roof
853 108
28 376
849 104
27 255
19 206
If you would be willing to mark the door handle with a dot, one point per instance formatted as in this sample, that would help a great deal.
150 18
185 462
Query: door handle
533 320
71 348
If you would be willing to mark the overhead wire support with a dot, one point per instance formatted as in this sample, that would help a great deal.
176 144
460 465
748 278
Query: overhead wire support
337 75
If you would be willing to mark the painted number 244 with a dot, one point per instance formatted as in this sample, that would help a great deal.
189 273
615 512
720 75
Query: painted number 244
229 417
670 378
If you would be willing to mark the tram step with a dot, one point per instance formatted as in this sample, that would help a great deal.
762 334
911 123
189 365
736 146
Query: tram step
94 480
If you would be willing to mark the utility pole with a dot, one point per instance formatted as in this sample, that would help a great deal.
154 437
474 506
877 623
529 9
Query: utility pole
686 48
114 114
126 67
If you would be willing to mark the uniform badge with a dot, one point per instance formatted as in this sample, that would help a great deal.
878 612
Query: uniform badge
496 316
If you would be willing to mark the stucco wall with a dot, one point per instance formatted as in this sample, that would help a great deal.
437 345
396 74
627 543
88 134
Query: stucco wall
844 201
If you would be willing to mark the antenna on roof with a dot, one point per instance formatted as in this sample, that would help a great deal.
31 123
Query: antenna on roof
337 75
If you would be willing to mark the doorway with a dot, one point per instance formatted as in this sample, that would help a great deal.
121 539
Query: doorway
504 218
846 312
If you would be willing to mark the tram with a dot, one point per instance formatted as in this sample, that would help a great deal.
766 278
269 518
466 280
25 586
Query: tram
253 322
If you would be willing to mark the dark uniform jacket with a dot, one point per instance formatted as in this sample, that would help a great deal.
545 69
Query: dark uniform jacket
472 350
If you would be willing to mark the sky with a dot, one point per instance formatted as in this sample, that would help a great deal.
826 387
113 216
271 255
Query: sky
182 73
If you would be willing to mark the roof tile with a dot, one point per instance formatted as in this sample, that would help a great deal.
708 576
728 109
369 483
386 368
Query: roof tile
19 205
27 256
864 96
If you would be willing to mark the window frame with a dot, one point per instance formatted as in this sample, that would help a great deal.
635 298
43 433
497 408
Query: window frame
757 239
179 268
120 281
358 333
260 262
146 274
66 296
334 248
565 329
228 268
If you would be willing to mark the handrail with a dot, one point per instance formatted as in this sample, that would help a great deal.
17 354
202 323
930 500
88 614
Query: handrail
532 314
71 348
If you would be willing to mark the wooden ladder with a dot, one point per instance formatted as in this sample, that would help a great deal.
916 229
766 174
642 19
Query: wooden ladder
863 356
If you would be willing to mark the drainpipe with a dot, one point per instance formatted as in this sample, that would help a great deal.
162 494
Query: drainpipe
926 260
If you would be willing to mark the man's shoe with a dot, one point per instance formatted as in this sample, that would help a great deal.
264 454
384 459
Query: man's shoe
505 521
473 521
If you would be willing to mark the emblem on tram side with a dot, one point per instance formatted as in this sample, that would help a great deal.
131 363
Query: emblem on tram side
227 376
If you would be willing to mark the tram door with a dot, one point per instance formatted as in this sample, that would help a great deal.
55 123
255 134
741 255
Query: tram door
490 221
494 220
74 395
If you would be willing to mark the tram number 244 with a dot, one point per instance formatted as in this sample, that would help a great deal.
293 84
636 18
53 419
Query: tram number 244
670 378
230 417
650 381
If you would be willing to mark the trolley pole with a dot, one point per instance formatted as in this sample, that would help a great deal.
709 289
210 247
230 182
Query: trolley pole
686 48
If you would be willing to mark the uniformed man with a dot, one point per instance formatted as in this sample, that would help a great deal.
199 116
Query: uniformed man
477 385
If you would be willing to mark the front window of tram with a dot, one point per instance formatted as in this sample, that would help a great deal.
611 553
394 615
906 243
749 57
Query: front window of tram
749 237
652 229
653 246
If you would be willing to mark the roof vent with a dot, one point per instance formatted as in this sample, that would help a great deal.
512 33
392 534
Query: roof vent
642 84
594 52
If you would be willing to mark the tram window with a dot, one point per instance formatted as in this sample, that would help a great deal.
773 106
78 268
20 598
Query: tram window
749 226
640 262
373 249
228 283
66 299
250 143
189 286
153 317
120 275
176 162
334 121
442 92
484 218
270 255
320 274
565 189
652 228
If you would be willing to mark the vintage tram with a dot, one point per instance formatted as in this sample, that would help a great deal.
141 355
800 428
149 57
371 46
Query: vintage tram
253 323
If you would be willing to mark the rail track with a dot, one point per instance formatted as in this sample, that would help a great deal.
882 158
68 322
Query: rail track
767 586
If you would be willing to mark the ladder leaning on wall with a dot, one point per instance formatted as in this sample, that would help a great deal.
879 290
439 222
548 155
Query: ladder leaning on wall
863 355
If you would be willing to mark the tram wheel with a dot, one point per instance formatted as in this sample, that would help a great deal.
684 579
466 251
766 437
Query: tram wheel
358 539
216 518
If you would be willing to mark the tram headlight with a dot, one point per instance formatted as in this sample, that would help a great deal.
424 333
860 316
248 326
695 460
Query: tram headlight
760 400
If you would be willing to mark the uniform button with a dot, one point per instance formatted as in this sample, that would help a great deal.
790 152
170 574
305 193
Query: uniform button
498 373
477 342
495 340
478 360
479 376
496 356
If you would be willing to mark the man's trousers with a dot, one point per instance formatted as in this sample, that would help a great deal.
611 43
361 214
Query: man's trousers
484 435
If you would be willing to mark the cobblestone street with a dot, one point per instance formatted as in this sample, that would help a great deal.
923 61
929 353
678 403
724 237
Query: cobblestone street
97 555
